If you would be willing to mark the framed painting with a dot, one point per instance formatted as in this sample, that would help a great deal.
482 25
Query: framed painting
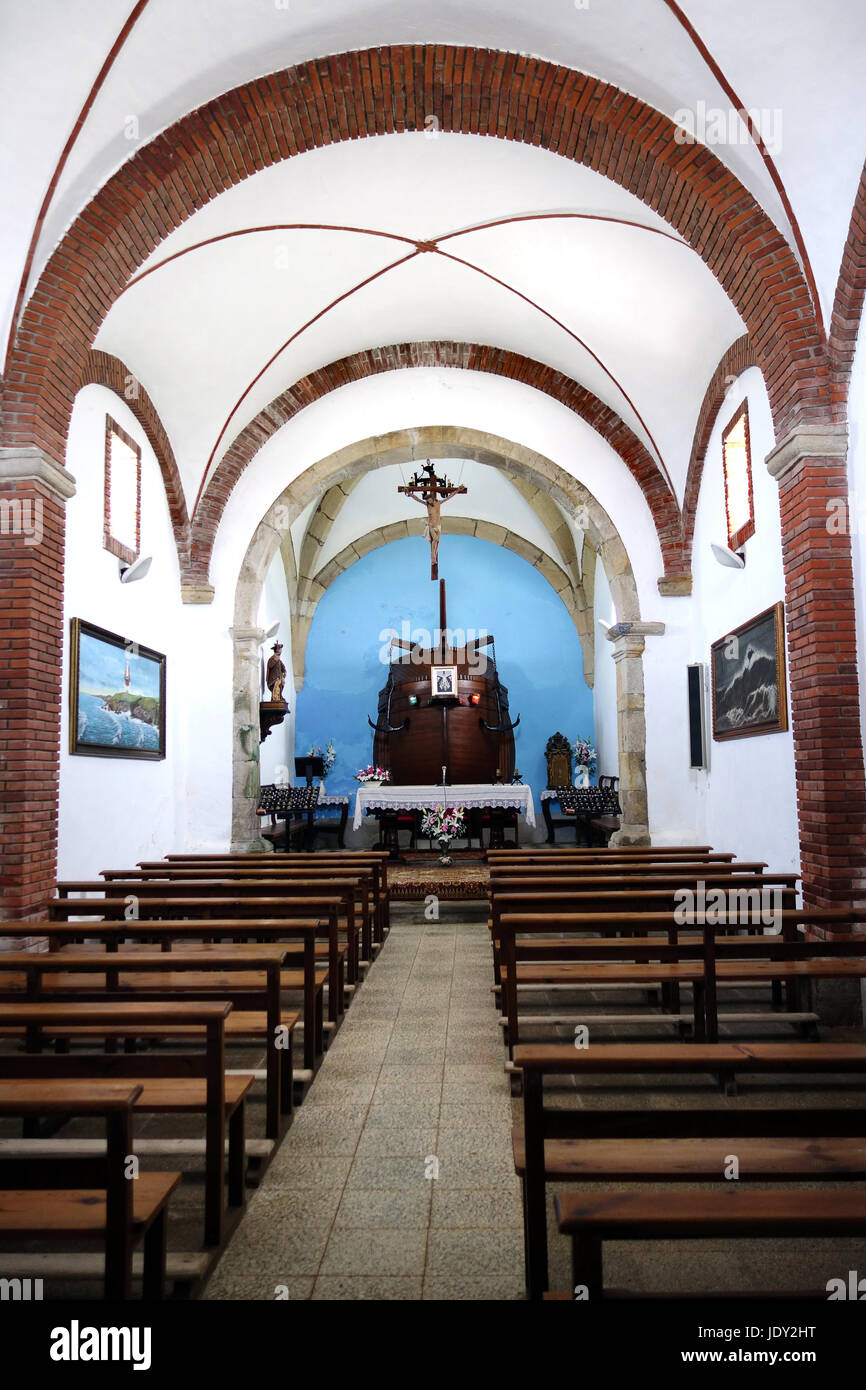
443 682
116 695
748 678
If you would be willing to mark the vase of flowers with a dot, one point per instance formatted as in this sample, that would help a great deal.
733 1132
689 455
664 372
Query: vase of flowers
372 776
328 754
443 824
584 761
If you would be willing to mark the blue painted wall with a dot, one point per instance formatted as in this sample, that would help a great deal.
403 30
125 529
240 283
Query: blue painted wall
489 589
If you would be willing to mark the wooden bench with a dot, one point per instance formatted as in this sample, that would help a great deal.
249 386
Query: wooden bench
248 980
145 900
193 1082
557 1144
664 962
106 1205
230 935
375 860
357 909
728 1214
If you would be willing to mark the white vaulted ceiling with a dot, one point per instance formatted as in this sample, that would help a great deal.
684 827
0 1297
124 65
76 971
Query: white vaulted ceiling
612 297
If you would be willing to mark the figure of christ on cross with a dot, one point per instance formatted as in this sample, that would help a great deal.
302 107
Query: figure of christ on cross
431 491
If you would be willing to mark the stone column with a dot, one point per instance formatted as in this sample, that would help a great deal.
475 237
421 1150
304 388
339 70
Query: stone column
628 648
246 733
810 468
33 495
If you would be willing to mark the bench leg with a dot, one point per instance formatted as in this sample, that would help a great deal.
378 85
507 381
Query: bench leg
320 1024
287 1080
238 1157
587 1278
155 1241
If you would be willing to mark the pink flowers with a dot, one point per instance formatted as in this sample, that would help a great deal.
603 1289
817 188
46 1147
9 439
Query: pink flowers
372 774
443 822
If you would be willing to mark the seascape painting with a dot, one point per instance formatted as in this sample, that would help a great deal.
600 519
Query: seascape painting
117 696
748 678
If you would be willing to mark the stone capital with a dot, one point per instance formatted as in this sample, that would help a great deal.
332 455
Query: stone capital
253 636
628 638
808 442
197 593
32 465
675 585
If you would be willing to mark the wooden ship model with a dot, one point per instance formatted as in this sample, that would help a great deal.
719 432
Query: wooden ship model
465 728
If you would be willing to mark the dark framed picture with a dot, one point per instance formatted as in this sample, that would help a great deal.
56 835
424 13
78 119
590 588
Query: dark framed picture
748 678
443 682
116 695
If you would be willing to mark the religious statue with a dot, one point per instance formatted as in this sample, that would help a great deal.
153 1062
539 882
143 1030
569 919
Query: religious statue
275 676
431 492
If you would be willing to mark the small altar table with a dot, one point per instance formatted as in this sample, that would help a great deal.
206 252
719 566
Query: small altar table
494 796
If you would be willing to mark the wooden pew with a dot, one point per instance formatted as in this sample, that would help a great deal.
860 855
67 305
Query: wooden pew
189 1083
377 860
666 960
621 853
162 898
248 980
107 1205
723 1215
599 1144
167 932
359 909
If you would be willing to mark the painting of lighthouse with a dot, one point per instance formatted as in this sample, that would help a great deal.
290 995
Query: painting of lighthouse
117 695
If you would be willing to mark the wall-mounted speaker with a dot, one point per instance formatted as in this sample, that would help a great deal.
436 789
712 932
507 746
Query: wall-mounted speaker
697 716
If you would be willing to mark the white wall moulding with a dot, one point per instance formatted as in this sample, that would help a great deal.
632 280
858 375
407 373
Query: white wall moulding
831 442
31 465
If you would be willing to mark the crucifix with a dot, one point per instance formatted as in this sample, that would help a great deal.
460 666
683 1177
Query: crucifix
431 491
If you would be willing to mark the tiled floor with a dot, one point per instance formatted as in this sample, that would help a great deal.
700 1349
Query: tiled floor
396 1179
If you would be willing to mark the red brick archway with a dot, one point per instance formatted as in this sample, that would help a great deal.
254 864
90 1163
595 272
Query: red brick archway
469 357
850 291
580 117
395 89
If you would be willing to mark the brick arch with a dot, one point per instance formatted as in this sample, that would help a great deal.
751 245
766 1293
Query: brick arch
104 370
385 90
738 357
850 290
469 357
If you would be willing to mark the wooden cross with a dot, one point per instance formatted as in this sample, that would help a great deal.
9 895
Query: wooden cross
431 491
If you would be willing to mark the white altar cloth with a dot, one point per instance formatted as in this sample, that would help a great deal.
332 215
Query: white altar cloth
496 796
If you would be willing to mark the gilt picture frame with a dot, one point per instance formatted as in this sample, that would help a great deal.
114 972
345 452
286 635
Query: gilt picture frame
748 678
116 695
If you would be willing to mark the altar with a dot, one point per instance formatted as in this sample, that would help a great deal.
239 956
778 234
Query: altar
495 797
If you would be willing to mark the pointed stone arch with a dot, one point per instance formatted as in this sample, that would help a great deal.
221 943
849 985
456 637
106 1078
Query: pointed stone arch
438 441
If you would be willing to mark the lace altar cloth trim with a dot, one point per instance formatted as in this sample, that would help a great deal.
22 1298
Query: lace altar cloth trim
473 796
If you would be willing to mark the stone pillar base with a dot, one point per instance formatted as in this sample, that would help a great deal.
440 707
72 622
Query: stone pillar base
630 834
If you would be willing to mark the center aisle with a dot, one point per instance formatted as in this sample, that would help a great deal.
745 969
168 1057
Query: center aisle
351 1207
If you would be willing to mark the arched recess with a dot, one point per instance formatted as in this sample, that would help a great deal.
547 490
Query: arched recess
571 594
334 499
513 459
471 357
738 358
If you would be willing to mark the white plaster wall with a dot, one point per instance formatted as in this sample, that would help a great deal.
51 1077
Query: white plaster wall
115 811
604 687
746 801
276 754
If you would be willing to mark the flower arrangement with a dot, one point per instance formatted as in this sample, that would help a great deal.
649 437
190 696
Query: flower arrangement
372 774
443 822
584 753
328 754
